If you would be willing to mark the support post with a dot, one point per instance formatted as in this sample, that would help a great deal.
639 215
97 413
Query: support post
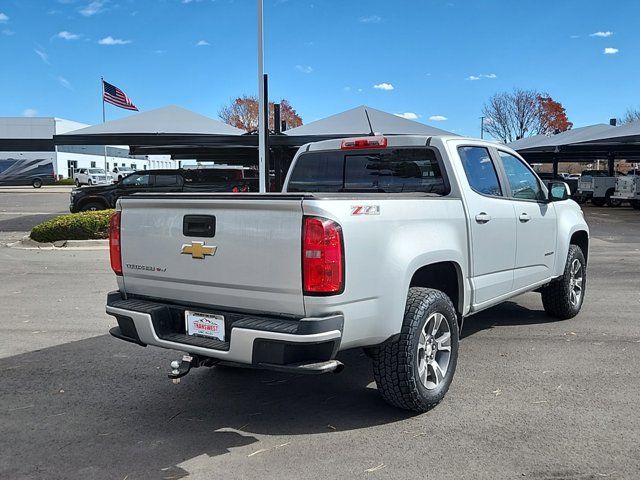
267 166
611 160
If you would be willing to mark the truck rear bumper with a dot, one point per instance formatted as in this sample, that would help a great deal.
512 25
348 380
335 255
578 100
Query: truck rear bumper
251 339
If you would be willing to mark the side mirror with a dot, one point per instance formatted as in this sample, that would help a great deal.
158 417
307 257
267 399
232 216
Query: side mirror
558 191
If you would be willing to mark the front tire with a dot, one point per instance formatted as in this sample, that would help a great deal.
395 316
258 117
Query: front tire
563 297
598 202
414 371
92 207
77 182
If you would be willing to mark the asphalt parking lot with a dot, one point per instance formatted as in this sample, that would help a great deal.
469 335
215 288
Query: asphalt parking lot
532 398
22 208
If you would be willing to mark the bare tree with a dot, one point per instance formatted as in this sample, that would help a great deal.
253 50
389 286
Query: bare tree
632 115
515 115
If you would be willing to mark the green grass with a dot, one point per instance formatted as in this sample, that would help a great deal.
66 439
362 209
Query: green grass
74 226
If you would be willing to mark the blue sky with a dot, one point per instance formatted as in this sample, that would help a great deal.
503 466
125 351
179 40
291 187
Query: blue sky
437 60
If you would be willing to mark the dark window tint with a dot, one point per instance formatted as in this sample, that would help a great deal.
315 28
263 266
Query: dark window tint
212 175
523 183
167 180
480 171
388 171
317 172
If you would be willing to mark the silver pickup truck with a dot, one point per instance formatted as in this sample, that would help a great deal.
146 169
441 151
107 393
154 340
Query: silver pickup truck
381 243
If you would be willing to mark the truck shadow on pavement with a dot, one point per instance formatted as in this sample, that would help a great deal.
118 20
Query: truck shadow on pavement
506 314
102 408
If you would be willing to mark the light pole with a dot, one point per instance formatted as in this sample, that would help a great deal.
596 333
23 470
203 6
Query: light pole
482 127
262 128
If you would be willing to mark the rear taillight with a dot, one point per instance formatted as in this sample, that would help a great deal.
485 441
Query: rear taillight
322 257
115 252
364 142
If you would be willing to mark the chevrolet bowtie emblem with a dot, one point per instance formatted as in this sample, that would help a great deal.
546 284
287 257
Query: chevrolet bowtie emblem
198 250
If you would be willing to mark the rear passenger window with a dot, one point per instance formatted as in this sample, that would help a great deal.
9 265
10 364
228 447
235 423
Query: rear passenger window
480 171
400 170
523 183
167 180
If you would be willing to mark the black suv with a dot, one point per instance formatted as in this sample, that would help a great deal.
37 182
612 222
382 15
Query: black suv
101 197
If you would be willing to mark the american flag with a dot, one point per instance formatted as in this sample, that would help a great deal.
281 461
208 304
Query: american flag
113 95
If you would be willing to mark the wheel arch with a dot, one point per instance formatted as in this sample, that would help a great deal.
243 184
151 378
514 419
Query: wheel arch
445 276
581 239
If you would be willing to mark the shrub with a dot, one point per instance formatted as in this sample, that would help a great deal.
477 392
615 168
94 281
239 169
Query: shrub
65 181
74 226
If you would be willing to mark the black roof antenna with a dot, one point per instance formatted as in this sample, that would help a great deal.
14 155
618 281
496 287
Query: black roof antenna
371 132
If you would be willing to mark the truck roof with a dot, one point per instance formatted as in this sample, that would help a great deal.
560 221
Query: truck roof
398 141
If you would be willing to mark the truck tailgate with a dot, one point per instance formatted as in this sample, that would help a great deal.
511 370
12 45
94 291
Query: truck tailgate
256 265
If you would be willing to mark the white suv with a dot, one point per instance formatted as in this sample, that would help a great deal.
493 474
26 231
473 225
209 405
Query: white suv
120 172
90 176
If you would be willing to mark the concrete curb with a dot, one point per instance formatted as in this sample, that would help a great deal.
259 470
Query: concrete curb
27 243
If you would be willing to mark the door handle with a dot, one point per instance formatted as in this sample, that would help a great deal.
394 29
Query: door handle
483 217
524 217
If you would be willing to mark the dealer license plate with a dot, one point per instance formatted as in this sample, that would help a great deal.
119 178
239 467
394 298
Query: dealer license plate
205 325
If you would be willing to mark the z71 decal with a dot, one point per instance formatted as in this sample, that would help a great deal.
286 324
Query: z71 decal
365 210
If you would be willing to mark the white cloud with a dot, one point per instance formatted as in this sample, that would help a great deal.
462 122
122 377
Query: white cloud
8 32
304 68
202 43
93 8
30 112
65 83
610 51
438 118
474 78
408 115
113 41
370 19
574 36
384 86
4 18
42 54
601 34
68 35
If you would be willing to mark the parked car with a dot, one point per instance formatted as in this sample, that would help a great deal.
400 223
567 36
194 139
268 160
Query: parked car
90 176
384 243
628 190
100 197
597 186
118 173
35 172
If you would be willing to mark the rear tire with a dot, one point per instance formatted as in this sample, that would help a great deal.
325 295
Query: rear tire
598 202
37 183
89 182
414 371
612 202
563 297
635 204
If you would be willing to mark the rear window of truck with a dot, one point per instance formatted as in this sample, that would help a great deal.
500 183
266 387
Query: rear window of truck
399 170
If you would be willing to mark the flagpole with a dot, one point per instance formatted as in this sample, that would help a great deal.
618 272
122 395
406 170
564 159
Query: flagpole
106 173
263 174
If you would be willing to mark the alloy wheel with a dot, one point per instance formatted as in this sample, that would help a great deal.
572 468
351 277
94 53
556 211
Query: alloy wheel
434 351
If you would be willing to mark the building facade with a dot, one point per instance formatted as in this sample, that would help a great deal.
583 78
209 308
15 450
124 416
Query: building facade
67 158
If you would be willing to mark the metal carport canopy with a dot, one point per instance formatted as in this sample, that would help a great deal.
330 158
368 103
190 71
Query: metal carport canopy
585 144
171 125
